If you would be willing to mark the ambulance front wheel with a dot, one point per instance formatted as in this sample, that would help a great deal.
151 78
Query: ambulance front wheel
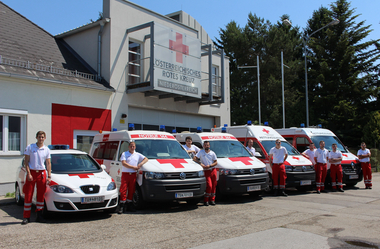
18 198
138 200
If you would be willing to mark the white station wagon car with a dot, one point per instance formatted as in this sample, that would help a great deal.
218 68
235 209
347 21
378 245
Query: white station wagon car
78 183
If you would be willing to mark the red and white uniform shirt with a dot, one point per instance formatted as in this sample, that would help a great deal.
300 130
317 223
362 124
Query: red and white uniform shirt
362 153
321 155
37 156
278 154
252 150
132 159
336 154
206 158
310 154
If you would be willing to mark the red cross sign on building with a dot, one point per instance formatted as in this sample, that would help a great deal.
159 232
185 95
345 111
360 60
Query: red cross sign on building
179 47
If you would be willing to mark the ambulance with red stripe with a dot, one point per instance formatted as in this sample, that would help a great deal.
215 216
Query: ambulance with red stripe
170 174
78 183
299 170
239 172
301 139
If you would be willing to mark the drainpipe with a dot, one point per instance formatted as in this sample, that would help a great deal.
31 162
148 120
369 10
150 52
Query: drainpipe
102 23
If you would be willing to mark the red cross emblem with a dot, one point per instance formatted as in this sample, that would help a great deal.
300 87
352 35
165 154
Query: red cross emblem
266 131
177 163
294 157
179 47
244 160
344 155
82 175
118 171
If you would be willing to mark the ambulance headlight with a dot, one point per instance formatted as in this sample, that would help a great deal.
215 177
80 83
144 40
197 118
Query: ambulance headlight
265 169
154 175
111 186
229 171
288 168
61 189
201 173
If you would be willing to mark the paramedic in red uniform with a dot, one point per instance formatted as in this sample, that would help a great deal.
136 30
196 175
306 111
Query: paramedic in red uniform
37 155
321 157
364 155
132 162
277 157
208 162
335 159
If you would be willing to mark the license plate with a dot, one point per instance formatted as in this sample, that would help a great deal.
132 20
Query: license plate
184 195
353 177
94 199
253 188
307 182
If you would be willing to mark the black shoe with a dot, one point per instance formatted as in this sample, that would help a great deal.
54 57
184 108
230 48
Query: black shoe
369 187
283 193
206 203
341 190
121 208
40 218
318 192
25 221
212 203
131 207
275 193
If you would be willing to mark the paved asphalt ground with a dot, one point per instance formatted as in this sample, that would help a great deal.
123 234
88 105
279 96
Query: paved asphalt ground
302 220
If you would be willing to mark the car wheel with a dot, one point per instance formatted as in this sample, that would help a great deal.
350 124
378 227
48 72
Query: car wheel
138 200
45 212
193 202
18 198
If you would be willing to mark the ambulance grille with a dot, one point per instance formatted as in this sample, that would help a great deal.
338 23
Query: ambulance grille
248 171
175 175
90 189
253 181
190 187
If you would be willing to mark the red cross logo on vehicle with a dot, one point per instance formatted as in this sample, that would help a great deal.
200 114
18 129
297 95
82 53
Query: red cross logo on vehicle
344 155
294 157
179 47
244 160
266 131
177 163
82 175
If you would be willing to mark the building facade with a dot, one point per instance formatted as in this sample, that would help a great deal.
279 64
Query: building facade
133 66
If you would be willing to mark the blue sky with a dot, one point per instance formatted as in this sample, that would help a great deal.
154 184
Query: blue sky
57 16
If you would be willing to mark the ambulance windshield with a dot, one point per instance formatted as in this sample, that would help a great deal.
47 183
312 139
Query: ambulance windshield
329 140
272 143
226 148
161 149
73 163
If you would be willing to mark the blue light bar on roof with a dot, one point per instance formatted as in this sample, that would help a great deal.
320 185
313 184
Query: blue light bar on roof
224 130
199 129
162 127
131 127
266 123
58 147
249 122
302 125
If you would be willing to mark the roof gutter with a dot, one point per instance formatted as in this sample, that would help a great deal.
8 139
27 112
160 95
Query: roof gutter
102 23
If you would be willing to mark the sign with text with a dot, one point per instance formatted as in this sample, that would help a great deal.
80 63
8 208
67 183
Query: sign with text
177 62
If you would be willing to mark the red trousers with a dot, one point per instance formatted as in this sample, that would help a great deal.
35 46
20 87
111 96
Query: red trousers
278 171
128 183
39 178
336 172
210 184
320 175
367 174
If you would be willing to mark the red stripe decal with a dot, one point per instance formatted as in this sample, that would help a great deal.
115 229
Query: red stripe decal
82 175
175 162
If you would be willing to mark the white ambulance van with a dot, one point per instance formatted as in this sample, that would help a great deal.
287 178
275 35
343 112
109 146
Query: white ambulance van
239 172
301 139
299 170
170 174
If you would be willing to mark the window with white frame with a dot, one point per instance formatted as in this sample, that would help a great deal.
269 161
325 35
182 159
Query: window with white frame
134 63
13 131
215 81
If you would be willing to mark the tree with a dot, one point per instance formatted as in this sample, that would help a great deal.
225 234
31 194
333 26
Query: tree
243 45
371 131
342 71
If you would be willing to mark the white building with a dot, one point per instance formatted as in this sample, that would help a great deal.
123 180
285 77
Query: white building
137 66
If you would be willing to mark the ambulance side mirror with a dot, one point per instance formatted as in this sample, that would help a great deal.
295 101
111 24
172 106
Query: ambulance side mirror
257 154
103 167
